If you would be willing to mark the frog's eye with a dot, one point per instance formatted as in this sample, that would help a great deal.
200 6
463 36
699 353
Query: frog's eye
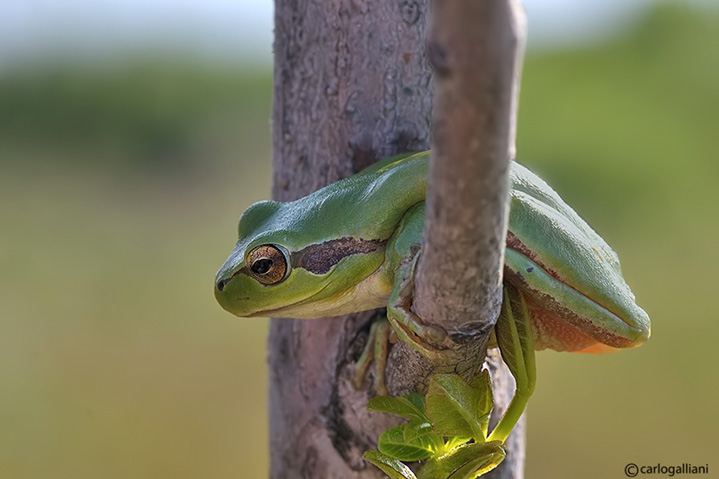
268 264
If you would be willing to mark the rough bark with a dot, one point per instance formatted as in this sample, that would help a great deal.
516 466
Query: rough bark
476 51
473 48
352 85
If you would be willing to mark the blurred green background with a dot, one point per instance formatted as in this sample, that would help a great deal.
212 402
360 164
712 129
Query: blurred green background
121 184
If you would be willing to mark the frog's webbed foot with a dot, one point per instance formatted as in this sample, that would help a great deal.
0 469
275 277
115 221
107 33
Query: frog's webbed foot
376 349
431 341
401 323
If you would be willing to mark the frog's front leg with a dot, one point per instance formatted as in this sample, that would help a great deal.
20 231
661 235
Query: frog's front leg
402 253
407 325
401 323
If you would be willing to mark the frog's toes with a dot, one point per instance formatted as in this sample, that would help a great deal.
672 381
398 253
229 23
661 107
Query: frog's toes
433 333
375 351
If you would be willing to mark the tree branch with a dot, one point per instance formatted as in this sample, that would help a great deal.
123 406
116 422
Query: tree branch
475 48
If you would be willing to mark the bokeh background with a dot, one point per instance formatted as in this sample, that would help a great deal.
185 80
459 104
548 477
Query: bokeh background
133 134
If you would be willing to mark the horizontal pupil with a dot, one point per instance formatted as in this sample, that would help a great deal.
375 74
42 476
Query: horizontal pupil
262 266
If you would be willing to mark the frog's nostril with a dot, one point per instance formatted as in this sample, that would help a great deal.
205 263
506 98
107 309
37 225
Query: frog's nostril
222 283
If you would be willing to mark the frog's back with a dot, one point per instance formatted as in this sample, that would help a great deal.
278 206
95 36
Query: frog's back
368 205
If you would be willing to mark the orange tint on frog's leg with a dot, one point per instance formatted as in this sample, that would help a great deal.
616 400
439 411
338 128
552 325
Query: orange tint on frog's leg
598 348
552 332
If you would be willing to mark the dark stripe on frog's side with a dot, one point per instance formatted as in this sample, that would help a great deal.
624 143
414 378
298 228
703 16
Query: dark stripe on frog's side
548 304
539 300
320 258
516 244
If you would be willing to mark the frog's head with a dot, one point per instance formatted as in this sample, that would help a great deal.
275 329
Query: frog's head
280 267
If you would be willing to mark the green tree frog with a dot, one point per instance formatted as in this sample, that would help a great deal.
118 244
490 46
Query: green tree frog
353 246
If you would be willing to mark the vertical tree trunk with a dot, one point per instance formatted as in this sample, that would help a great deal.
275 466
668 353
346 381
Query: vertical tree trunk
352 85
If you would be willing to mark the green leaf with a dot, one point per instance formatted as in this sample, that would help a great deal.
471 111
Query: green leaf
392 467
454 441
410 406
392 443
464 462
454 406
483 385
417 400
416 429
479 466
423 433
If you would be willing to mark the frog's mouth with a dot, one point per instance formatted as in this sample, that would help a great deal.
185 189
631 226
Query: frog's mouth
341 299
305 308
565 318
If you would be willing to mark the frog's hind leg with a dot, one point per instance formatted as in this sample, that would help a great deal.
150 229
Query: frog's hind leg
516 343
375 351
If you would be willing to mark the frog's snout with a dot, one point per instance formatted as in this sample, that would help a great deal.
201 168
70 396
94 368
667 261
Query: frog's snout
220 285
640 321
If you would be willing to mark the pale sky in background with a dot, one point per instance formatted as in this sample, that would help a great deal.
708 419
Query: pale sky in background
234 28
